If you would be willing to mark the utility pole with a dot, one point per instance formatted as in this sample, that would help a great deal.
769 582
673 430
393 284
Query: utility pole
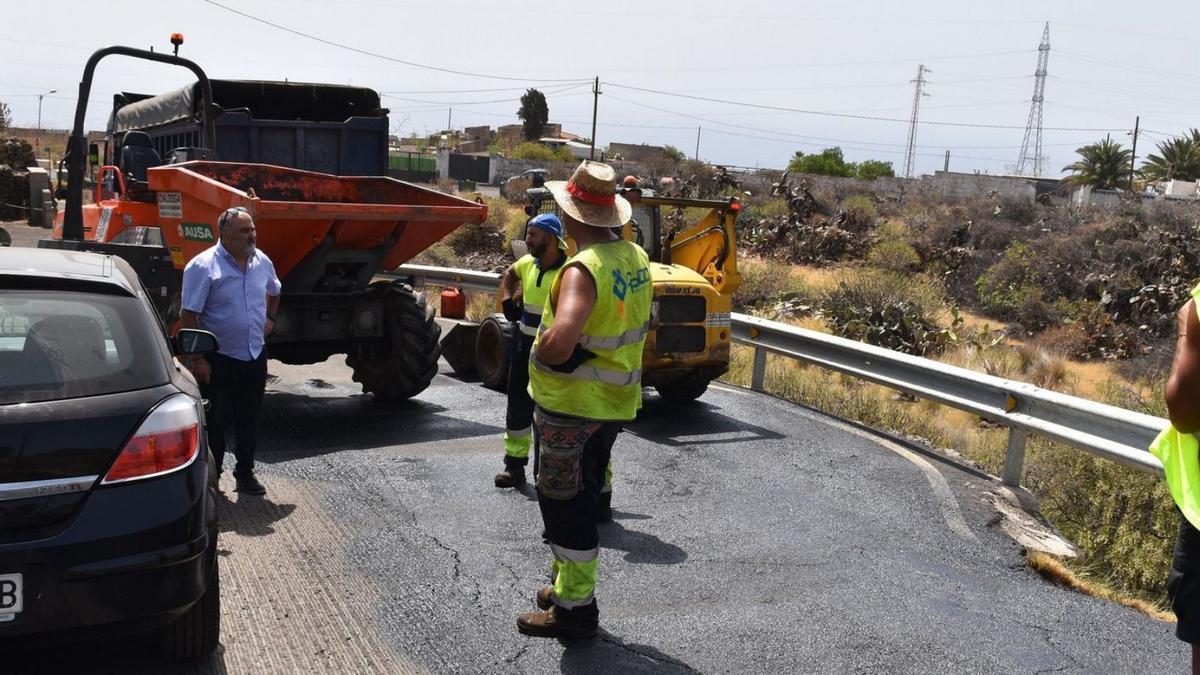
697 156
595 107
946 166
918 92
1133 156
449 113
1031 158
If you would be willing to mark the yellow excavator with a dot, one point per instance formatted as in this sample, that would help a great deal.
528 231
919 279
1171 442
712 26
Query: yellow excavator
694 271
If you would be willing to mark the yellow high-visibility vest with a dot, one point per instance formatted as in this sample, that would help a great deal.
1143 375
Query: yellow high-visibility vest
609 386
1178 453
535 289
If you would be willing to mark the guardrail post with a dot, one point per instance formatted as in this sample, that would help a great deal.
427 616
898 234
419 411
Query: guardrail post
760 369
1014 457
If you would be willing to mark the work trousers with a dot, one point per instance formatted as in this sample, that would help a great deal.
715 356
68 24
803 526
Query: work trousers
518 418
573 455
235 393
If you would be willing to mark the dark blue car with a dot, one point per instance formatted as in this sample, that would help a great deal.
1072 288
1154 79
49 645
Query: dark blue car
108 517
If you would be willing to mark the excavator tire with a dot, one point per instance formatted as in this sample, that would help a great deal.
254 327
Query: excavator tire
681 393
402 363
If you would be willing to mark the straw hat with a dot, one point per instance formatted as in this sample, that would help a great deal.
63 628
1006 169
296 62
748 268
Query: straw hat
591 196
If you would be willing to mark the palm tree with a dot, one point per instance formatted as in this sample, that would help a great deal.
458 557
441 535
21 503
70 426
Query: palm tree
1177 159
1102 165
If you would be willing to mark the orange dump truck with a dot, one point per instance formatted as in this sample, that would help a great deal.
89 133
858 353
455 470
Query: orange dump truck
327 235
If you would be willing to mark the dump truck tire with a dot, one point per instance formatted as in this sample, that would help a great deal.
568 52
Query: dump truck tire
404 361
492 346
681 393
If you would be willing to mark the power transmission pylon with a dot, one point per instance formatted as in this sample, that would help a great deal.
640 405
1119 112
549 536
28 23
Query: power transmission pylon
910 153
1031 147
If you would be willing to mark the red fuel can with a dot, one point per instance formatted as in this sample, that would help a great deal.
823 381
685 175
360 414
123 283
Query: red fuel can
454 304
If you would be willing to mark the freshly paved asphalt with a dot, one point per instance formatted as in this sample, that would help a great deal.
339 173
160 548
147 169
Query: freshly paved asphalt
750 535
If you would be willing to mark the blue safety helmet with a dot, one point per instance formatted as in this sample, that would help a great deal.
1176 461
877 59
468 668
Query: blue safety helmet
548 222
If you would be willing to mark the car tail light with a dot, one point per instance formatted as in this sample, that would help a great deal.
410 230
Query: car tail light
168 440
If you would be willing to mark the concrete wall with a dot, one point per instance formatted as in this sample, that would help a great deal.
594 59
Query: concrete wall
969 185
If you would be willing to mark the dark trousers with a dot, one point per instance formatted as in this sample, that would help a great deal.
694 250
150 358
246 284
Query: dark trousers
1183 582
571 523
519 413
235 393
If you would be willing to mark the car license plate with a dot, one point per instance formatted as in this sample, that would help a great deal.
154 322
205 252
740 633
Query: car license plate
10 596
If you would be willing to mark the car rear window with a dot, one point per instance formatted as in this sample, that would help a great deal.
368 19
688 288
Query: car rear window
65 344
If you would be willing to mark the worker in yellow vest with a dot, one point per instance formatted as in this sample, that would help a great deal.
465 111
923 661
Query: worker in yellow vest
585 380
1177 448
523 291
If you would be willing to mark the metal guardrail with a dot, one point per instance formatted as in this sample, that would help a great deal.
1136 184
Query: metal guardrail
1107 431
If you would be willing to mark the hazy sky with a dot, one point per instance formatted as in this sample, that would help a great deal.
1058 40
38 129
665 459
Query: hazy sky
1109 61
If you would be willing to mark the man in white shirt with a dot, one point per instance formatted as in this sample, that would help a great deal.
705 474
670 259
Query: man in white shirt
231 290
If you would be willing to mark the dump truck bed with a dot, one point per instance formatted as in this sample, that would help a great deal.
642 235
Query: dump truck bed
299 214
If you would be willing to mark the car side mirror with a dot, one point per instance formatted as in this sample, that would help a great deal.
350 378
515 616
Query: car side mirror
195 341
519 248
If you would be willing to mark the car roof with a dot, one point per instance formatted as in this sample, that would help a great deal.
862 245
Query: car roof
60 264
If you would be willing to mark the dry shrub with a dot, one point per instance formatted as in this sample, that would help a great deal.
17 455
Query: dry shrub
1042 367
859 209
514 225
890 311
487 236
1067 339
438 255
763 282
984 357
894 255
480 306
1022 210
771 209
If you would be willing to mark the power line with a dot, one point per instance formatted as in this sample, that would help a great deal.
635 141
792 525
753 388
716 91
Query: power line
878 85
823 64
790 136
1123 31
1125 65
548 92
801 111
364 52
462 91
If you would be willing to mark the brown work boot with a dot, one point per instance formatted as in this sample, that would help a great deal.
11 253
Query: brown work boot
545 597
513 474
558 622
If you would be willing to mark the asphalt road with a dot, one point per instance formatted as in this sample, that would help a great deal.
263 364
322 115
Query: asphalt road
750 536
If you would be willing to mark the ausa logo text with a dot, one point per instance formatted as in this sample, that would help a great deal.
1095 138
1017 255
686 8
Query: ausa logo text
196 232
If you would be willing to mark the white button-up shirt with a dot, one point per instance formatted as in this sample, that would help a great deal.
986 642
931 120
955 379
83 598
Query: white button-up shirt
232 304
